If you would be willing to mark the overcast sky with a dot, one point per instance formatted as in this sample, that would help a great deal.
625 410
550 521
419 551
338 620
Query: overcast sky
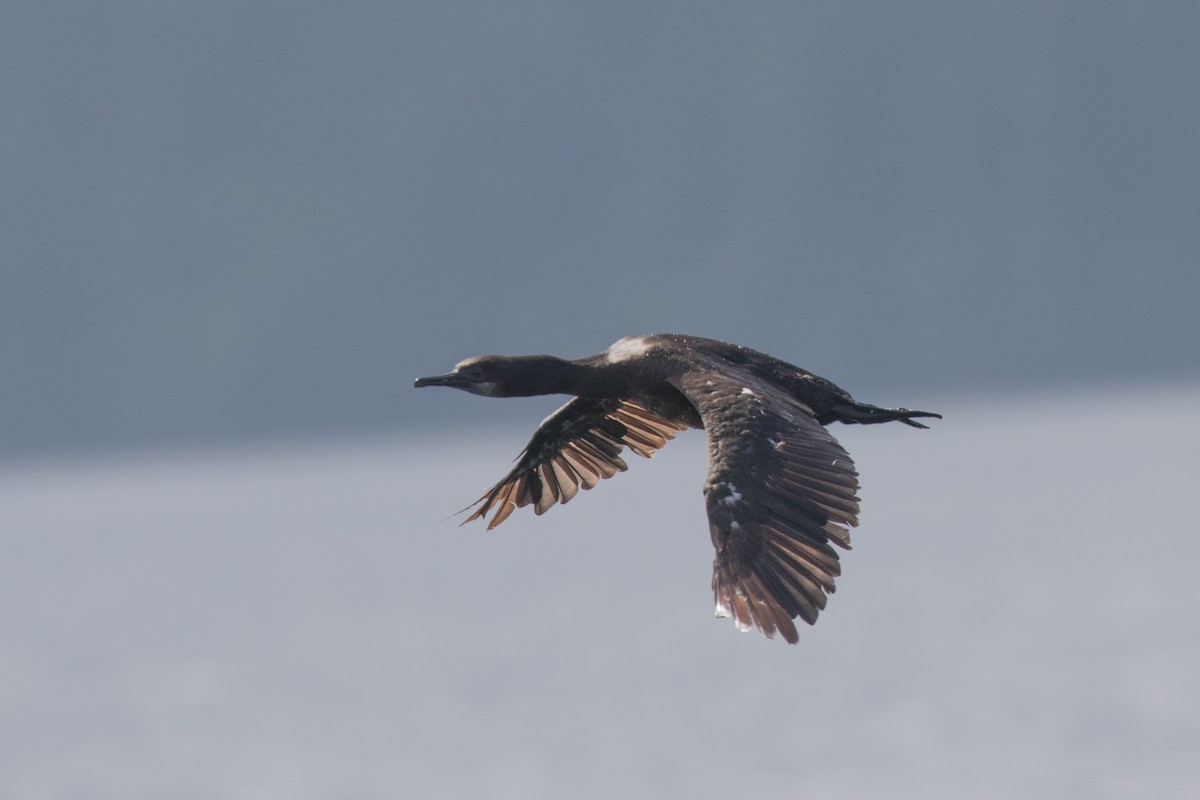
230 220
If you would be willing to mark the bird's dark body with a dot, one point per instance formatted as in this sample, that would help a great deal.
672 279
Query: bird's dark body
779 491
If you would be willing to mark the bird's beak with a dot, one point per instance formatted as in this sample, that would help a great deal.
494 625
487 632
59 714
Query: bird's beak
449 379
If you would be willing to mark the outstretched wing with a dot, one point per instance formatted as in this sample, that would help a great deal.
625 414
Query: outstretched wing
779 491
575 447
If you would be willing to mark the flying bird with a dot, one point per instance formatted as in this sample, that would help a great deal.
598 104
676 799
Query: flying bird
779 491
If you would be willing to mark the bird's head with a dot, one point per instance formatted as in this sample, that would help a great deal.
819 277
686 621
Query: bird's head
500 376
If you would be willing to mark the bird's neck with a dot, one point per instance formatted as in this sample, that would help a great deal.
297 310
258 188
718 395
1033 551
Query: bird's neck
537 375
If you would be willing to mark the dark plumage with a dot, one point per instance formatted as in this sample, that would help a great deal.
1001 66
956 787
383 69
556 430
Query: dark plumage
780 489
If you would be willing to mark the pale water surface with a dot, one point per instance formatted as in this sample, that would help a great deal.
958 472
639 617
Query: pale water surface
1018 619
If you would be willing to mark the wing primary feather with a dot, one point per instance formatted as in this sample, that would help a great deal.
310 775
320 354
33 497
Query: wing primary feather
568 481
507 505
549 489
588 475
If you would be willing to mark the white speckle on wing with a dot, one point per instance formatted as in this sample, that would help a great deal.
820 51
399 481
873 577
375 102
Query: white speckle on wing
627 348
775 442
734 497
742 624
747 391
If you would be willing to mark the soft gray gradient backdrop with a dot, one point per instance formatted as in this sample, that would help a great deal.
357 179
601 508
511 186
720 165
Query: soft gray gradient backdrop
223 220
227 223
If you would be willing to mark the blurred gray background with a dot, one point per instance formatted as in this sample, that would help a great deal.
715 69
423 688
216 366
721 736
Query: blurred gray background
233 233
238 221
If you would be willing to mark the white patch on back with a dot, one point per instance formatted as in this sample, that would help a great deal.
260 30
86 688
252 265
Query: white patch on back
627 348
466 362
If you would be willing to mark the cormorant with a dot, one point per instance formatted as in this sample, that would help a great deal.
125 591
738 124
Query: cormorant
779 491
